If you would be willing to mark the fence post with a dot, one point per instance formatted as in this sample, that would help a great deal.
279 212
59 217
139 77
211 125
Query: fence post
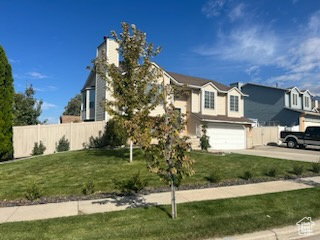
38 132
71 139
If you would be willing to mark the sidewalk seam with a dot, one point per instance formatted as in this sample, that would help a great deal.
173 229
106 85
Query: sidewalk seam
12 214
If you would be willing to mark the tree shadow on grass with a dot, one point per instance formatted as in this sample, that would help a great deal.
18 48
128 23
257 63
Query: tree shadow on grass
132 201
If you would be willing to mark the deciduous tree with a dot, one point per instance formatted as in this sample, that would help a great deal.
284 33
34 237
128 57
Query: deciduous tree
134 86
73 107
26 108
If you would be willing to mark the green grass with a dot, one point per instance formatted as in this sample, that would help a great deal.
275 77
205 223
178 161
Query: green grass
196 220
66 173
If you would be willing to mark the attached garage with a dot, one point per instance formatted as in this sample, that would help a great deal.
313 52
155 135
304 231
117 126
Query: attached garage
226 136
310 120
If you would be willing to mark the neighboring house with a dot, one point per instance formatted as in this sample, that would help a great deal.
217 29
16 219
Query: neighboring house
204 102
289 107
69 119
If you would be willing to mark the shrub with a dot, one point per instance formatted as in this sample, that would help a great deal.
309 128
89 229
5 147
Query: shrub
297 170
215 176
38 149
204 140
33 192
88 188
272 172
132 185
247 175
115 134
63 145
316 167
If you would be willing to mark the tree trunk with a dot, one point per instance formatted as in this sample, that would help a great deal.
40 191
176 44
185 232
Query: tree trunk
131 157
173 201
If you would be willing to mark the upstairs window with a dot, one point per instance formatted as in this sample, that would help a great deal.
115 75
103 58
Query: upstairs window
307 102
234 103
208 100
92 98
295 99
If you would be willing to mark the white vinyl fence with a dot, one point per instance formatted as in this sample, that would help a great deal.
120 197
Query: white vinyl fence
266 135
78 134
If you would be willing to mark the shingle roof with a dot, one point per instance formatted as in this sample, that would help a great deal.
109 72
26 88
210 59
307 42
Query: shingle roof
91 81
197 81
222 118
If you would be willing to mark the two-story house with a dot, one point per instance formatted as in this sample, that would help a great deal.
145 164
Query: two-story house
206 101
289 107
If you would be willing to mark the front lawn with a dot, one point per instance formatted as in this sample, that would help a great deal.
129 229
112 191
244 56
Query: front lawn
66 173
198 220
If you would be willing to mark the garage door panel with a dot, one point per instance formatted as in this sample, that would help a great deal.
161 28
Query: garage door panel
226 136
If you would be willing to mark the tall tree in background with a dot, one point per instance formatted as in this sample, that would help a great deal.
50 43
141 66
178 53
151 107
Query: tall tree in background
133 89
73 107
6 102
26 108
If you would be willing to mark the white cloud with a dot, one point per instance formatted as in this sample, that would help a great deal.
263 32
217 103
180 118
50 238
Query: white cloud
11 60
237 12
47 106
249 44
213 8
37 75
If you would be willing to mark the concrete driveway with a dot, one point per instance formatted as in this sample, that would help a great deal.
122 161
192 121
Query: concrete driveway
282 152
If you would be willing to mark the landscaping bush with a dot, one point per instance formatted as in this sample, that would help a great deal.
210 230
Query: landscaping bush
316 167
63 145
115 134
204 140
33 192
215 176
272 172
88 188
132 185
247 175
297 170
38 149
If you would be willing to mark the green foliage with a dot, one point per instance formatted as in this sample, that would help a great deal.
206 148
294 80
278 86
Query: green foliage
38 149
297 170
6 102
73 107
63 145
26 108
33 192
204 140
132 185
316 167
247 175
115 134
272 172
134 87
215 176
88 188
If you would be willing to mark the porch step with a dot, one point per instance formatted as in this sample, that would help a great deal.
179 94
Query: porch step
195 142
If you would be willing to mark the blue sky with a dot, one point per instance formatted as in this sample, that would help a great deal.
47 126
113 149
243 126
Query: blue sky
50 43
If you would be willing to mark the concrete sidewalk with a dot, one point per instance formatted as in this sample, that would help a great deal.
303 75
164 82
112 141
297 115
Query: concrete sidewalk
73 208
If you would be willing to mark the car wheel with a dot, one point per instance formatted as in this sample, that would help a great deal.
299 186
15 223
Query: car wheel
291 143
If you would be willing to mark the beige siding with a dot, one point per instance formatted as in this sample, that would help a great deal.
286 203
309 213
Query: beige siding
112 53
222 104
193 126
195 98
232 113
78 134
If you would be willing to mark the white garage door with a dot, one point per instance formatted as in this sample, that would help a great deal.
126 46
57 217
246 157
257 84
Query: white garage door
311 123
226 136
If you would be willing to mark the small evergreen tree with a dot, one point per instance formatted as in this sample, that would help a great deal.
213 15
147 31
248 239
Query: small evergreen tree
204 140
73 107
6 103
38 149
63 145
